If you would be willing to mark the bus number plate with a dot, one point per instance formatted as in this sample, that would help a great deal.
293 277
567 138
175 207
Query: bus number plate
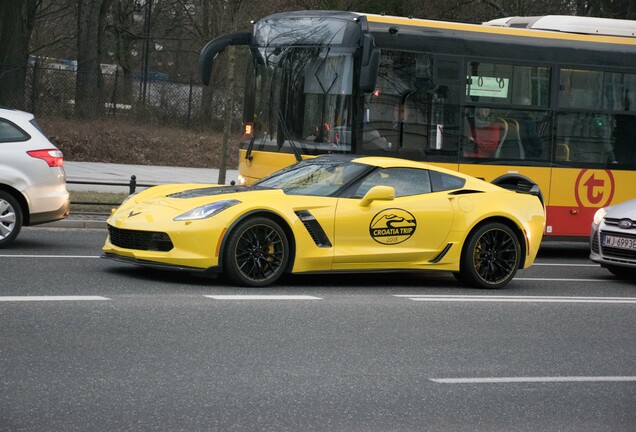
619 242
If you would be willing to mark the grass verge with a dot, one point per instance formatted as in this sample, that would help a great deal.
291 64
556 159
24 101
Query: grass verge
95 202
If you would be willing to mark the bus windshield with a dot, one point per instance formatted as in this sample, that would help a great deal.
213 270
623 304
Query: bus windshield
301 98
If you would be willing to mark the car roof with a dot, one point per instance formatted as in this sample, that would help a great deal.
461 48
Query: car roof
392 162
14 114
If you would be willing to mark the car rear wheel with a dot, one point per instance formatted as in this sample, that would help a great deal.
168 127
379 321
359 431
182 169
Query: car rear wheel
257 253
491 257
10 219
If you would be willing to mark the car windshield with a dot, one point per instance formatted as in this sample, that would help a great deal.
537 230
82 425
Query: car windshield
317 177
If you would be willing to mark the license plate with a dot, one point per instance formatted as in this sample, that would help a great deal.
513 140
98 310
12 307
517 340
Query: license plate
619 242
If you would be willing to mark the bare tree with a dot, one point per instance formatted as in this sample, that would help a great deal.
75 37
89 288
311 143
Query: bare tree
90 30
16 24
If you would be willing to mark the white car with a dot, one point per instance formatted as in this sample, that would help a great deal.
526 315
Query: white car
32 178
613 239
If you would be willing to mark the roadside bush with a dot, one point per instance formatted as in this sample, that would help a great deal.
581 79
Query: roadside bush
126 142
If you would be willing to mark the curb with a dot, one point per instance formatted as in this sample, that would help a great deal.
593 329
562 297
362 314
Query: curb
92 224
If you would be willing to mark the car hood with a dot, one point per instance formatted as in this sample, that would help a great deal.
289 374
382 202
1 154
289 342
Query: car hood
625 209
184 197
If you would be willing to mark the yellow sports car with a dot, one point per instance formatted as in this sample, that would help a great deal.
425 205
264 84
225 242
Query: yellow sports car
334 214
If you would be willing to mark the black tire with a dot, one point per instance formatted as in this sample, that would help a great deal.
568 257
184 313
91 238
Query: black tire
10 219
256 253
622 272
491 257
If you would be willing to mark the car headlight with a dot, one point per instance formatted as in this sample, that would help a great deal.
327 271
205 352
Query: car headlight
599 215
205 211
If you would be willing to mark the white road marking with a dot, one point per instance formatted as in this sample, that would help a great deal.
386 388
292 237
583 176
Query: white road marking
262 297
565 265
520 299
557 279
49 256
50 298
555 379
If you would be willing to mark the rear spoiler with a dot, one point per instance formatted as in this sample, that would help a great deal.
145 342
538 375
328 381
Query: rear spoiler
519 183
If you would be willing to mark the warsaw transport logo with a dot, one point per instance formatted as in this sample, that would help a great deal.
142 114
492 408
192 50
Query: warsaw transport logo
594 188
392 226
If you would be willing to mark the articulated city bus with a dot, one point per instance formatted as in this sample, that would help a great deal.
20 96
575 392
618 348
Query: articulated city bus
551 99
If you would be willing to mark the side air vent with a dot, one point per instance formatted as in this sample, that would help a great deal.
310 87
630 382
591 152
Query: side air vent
313 228
441 255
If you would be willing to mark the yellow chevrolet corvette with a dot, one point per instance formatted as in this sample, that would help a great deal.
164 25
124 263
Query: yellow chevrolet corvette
334 214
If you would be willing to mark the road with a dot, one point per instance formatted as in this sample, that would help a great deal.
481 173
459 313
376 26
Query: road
93 345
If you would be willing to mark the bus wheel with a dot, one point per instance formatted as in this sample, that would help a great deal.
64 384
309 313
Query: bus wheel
10 219
257 253
490 257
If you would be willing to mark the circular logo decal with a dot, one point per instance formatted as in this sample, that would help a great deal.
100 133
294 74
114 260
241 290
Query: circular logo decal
594 188
392 226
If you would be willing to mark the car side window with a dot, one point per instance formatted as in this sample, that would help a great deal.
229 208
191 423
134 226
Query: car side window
10 132
405 181
443 182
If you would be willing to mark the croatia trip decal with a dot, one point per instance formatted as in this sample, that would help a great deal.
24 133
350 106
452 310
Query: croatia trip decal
392 226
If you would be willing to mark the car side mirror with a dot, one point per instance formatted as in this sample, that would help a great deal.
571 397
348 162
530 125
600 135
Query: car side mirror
378 193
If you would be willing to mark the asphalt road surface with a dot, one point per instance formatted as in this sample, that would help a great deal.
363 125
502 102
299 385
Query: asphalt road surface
92 345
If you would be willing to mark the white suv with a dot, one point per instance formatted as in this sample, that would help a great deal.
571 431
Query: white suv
32 178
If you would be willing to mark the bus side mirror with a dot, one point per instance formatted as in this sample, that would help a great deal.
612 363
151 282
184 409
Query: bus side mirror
216 46
378 193
370 64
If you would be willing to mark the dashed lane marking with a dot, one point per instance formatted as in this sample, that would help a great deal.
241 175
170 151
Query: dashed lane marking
50 298
555 379
262 297
518 299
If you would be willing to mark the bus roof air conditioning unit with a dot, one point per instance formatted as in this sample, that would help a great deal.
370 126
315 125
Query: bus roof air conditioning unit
570 24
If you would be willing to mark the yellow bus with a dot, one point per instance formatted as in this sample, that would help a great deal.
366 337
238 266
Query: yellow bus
549 100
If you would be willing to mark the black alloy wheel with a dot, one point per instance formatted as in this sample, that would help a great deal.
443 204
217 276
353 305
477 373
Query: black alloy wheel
491 257
257 253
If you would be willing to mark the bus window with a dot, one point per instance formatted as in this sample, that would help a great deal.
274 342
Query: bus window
506 134
581 89
585 137
410 111
619 92
489 82
531 86
599 124
596 138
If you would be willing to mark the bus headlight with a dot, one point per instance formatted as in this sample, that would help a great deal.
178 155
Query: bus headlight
241 180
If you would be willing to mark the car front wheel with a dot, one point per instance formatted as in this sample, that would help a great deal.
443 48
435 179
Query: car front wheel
257 253
10 219
491 257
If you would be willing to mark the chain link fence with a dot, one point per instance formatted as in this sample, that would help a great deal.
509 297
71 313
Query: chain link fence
50 90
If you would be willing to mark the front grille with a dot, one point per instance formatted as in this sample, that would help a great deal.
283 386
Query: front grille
594 246
618 253
615 221
140 240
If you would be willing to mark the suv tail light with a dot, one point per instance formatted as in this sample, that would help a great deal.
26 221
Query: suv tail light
53 157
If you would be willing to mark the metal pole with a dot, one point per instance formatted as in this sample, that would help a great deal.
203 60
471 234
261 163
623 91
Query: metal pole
146 50
189 103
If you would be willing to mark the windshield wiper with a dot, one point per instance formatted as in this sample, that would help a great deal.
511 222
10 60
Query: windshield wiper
292 143
250 146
